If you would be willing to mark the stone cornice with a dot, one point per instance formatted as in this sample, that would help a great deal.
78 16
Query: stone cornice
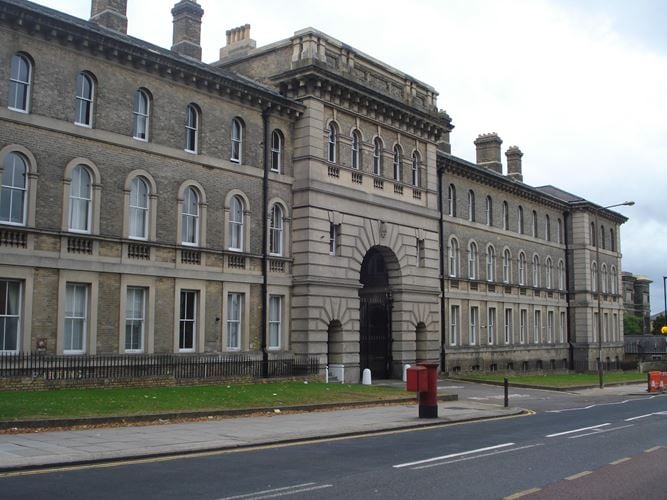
53 26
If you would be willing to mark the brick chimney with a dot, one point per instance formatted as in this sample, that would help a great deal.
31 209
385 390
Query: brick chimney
488 151
239 42
514 155
111 14
187 28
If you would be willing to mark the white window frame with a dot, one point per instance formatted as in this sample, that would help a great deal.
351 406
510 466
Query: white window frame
523 325
7 319
398 164
236 223
85 102
190 219
237 141
509 326
549 273
416 169
141 112
489 211
191 129
334 238
377 156
536 271
454 312
76 316
471 205
453 257
594 277
491 325
274 333
522 269
490 263
17 86
356 150
276 230
474 325
451 200
332 143
537 326
276 151
473 256
79 198
132 320
507 266
563 327
550 327
561 275
184 320
138 214
9 188
235 312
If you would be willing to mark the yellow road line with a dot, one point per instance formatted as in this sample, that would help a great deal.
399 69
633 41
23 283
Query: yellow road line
522 493
577 476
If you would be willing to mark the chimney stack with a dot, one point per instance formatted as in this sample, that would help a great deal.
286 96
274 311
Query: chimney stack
239 42
488 152
187 28
111 14
514 155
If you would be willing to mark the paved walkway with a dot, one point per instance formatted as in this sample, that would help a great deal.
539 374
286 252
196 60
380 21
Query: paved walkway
40 449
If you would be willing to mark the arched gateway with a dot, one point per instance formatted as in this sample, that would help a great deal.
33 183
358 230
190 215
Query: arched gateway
375 313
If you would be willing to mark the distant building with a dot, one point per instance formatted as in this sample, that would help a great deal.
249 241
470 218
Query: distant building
637 299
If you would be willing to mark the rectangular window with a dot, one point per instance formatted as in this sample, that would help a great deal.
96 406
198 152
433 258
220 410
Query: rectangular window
334 239
474 324
275 321
563 326
10 315
595 327
187 324
491 327
550 327
76 318
523 325
135 319
234 325
421 253
537 326
605 327
615 327
454 325
508 326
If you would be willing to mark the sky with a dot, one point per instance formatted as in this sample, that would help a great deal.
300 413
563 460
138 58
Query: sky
579 85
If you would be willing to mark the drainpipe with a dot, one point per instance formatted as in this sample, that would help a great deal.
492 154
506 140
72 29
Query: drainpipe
568 294
265 241
443 334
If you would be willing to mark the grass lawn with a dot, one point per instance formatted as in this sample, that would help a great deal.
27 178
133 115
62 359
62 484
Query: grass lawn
560 379
65 403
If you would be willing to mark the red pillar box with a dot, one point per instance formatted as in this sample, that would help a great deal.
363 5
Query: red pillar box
428 399
654 380
417 379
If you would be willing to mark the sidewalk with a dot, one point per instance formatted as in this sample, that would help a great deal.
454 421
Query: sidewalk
34 450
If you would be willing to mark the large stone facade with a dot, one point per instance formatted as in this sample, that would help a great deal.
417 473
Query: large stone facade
300 197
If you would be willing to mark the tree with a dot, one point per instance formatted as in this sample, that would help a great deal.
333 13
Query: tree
632 325
658 323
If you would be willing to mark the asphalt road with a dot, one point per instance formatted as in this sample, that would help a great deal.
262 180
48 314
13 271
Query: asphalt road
601 449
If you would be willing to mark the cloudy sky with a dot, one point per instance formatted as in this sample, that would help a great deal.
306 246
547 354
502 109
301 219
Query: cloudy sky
579 85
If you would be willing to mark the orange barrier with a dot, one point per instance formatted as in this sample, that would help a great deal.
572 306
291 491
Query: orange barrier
657 381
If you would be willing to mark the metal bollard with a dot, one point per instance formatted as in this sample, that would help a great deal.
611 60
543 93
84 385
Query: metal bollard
507 396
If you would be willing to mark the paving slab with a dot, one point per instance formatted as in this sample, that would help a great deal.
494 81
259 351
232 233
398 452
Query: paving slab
54 448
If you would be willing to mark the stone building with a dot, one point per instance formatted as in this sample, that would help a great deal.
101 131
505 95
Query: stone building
298 198
637 299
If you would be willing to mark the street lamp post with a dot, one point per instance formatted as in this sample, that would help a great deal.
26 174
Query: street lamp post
664 286
597 235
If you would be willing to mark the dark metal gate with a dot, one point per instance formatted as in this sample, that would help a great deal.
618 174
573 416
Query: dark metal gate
375 334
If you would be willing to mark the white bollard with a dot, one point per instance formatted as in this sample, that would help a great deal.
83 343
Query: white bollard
366 377
405 372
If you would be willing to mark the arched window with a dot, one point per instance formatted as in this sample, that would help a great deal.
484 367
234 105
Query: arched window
190 217
237 141
80 200
594 277
416 169
536 271
603 278
191 128
549 272
507 266
451 200
141 109
356 150
522 268
471 205
560 231
453 257
603 239
547 228
472 261
20 81
489 211
377 156
138 209
276 230
14 191
593 234
85 93
521 229
276 151
332 144
506 216
236 221
490 263
612 240
561 275
397 164
613 283
535 229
